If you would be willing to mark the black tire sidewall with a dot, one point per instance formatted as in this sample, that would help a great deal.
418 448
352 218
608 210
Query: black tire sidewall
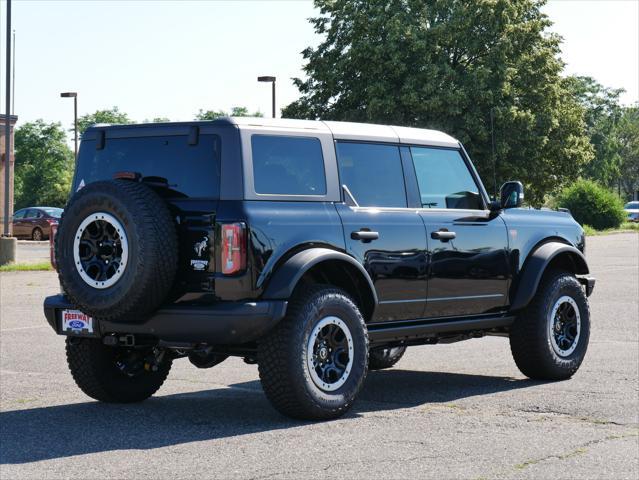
385 357
152 252
530 340
282 356
341 307
93 367
33 234
566 285
93 298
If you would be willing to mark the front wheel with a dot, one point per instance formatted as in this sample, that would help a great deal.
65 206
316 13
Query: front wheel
116 374
550 337
313 364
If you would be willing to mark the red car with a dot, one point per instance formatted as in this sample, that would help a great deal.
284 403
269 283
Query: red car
35 222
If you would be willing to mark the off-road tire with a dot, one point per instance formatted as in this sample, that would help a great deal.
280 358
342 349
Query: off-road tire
152 251
385 357
282 359
93 368
37 234
530 342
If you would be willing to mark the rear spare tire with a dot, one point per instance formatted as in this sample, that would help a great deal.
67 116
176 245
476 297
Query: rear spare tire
117 250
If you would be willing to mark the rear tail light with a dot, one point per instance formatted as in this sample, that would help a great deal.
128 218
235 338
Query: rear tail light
54 230
233 248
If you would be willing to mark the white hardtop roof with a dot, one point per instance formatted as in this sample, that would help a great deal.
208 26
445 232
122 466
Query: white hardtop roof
354 131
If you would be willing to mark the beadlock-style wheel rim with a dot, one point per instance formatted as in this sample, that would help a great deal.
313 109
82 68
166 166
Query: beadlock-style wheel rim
329 354
100 250
564 326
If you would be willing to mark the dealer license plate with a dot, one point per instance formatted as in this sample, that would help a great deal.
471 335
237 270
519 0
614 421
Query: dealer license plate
74 321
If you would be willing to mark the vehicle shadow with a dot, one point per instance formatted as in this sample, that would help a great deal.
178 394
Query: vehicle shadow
90 427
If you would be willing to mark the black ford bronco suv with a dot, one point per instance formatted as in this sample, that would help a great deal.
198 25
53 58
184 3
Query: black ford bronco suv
318 250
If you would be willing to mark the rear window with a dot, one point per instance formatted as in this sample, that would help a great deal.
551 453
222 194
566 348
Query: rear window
191 170
288 165
53 212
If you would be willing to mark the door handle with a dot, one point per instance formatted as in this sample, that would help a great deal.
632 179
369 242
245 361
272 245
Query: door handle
364 235
443 235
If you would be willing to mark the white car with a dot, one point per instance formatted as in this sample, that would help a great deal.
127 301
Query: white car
632 209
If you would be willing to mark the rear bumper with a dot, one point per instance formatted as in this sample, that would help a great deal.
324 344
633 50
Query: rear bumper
224 323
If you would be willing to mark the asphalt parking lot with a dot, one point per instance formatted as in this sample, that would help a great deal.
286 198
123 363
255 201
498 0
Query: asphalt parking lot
445 411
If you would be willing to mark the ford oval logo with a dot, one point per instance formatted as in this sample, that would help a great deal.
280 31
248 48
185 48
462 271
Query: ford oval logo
76 324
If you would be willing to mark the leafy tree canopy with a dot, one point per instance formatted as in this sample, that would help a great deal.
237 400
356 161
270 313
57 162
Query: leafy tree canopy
235 112
627 133
110 115
44 165
602 115
446 65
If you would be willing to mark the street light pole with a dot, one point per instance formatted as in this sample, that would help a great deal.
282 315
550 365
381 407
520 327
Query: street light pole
7 127
74 95
272 80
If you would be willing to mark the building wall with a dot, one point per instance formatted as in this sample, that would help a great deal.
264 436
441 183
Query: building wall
12 121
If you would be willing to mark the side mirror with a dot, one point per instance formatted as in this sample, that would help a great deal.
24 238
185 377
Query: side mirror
511 194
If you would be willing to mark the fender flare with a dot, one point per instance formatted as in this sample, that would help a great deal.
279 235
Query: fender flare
286 277
536 265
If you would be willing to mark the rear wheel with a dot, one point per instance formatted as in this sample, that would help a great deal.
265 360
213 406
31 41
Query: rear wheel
313 364
37 234
384 357
550 337
116 374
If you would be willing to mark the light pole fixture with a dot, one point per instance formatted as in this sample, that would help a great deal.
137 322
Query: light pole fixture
74 95
272 80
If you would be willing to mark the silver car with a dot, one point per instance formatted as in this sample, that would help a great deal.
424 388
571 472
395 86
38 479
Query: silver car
632 209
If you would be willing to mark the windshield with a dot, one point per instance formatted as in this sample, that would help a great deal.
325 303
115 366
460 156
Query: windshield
53 212
632 206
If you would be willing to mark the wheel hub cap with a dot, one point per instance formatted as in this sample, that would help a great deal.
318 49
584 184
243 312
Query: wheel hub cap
329 354
564 326
100 250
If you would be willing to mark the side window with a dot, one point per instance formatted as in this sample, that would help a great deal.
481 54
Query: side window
444 179
19 215
288 165
31 214
373 173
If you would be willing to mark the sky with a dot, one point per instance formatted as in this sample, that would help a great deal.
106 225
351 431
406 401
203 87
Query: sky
171 58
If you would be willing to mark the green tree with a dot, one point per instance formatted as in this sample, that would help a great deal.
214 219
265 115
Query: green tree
627 134
44 165
235 112
602 114
109 115
446 65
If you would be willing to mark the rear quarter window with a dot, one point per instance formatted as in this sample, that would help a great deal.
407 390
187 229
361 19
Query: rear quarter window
288 165
190 170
